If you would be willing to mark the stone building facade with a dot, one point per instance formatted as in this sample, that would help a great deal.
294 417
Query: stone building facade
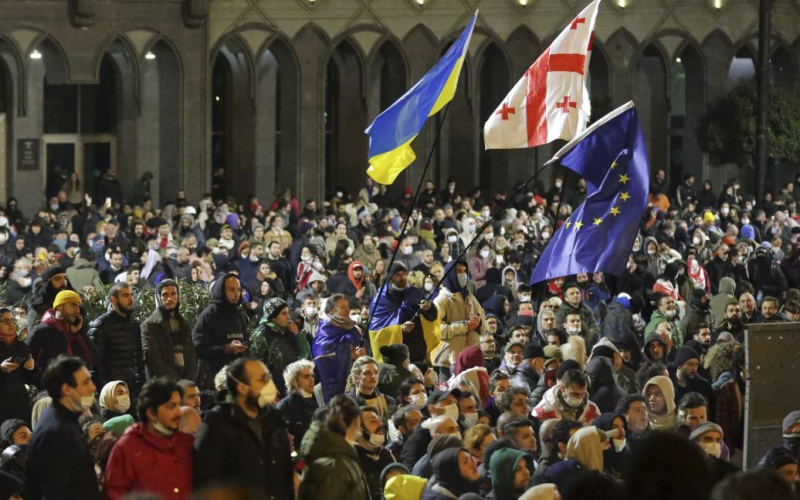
278 92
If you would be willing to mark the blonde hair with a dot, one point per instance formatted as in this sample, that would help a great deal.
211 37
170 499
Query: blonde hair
473 438
417 279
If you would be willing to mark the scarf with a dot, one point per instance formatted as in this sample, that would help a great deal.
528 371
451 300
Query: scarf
341 322
71 338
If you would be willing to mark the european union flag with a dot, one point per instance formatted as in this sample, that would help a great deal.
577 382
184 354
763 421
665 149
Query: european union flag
598 236
391 133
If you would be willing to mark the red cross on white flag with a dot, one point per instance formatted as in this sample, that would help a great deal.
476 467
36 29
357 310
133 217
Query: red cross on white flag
550 101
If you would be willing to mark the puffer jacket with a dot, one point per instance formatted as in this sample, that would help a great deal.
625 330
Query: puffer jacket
618 323
217 326
332 468
226 448
119 344
159 343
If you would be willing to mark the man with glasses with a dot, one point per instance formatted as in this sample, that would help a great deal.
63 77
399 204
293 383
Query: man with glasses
488 345
17 368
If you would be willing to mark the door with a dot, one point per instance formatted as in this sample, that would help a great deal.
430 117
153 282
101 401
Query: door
88 155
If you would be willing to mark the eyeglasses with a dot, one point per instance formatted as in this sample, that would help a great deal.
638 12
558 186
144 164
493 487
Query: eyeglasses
8 321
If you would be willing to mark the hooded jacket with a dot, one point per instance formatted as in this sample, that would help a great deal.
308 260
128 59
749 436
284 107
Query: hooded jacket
332 468
551 406
614 462
83 273
455 304
218 325
168 353
141 461
668 420
449 481
585 447
720 301
226 448
52 337
43 295
604 393
503 466
494 286
655 337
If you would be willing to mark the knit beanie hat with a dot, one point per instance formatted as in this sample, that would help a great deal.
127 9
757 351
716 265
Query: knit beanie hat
396 268
394 354
272 307
703 428
684 354
67 297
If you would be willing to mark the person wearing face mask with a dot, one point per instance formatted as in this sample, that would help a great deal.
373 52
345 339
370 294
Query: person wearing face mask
115 400
244 437
441 405
400 306
470 370
59 440
709 436
332 466
153 455
461 317
480 262
309 313
373 456
666 312
569 399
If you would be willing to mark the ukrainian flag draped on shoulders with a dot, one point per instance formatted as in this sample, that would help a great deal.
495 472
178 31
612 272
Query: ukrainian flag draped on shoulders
390 311
391 133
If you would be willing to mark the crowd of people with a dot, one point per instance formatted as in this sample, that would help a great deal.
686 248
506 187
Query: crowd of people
327 363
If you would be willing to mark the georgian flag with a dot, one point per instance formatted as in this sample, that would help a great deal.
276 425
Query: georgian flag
551 100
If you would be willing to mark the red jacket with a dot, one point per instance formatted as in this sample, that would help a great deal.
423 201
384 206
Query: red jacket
141 461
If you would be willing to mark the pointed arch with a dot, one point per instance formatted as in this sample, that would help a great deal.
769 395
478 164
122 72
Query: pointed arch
621 48
783 68
345 117
494 81
688 94
650 79
598 81
742 66
523 48
387 76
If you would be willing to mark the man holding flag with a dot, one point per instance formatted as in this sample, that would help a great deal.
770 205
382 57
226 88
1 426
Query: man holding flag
401 314
598 236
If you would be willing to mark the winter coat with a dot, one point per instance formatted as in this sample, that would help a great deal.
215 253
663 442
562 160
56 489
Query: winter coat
119 342
51 338
278 349
550 407
589 328
391 377
298 411
416 446
60 466
13 394
83 273
159 347
218 325
141 461
332 468
720 301
226 448
454 306
605 393
618 323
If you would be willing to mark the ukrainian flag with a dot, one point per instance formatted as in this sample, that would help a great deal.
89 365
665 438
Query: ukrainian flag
391 133
385 326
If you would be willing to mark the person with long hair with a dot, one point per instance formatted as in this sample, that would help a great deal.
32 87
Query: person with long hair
337 344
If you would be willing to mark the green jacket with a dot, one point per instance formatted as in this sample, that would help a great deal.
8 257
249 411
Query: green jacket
332 469
677 329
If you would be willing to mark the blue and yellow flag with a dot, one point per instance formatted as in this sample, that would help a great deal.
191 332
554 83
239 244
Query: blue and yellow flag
389 314
391 133
598 236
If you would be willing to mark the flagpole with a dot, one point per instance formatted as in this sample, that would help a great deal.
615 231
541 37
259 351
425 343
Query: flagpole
531 179
405 223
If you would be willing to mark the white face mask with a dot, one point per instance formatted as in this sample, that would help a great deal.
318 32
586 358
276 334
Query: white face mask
471 228
670 313
470 419
268 394
558 184
485 214
462 280
3 238
377 439
311 312
545 236
713 449
305 258
123 403
745 222
355 317
574 330
428 287
484 254
651 252
573 402
162 429
350 251
452 239
696 240
407 250
451 411
306 394
419 400
524 298
725 210
25 282
619 444
489 236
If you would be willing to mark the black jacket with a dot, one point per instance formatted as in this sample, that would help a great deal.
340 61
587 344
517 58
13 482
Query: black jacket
119 342
416 446
160 345
47 342
282 350
226 448
60 466
298 412
217 326
14 396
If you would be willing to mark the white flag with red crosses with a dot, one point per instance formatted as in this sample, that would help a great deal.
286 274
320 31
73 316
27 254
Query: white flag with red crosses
550 101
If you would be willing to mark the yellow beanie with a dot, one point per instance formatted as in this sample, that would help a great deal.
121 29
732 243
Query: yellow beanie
708 217
67 297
